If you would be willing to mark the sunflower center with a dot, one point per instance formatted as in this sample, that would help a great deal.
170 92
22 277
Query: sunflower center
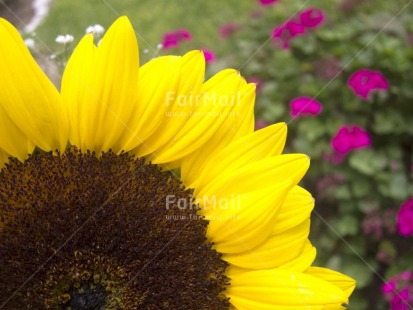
114 232
88 296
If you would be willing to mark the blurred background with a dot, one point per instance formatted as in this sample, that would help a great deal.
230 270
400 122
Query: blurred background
339 72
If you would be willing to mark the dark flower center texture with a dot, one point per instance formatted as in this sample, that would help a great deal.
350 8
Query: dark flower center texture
79 231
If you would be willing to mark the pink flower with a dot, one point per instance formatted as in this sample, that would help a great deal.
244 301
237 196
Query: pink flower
349 138
277 32
406 276
209 55
286 32
294 28
280 33
170 40
364 81
305 106
361 138
267 2
399 291
401 300
311 18
183 34
228 29
378 80
405 219
342 141
389 287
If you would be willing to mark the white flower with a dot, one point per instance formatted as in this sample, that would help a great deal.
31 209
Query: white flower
64 39
30 43
97 30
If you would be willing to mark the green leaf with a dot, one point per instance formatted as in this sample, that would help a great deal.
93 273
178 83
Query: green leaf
398 186
367 162
343 192
361 187
388 121
347 226
359 268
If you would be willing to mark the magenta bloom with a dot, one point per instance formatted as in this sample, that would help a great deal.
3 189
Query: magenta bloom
183 34
294 28
227 30
342 141
267 2
286 32
398 290
170 40
311 18
389 287
305 106
280 33
307 19
209 55
364 81
401 301
405 219
349 138
361 138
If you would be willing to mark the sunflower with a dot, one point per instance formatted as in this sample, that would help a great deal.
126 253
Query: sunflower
148 188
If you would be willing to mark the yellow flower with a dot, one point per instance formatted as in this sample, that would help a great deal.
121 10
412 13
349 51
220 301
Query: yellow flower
88 218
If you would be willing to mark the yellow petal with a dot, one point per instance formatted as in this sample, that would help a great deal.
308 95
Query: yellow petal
178 104
4 158
205 120
299 264
275 251
76 78
254 175
255 146
248 304
239 123
13 141
296 209
345 283
281 289
158 79
239 223
303 261
32 105
107 91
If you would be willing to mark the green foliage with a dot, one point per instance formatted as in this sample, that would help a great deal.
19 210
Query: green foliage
357 198
151 19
